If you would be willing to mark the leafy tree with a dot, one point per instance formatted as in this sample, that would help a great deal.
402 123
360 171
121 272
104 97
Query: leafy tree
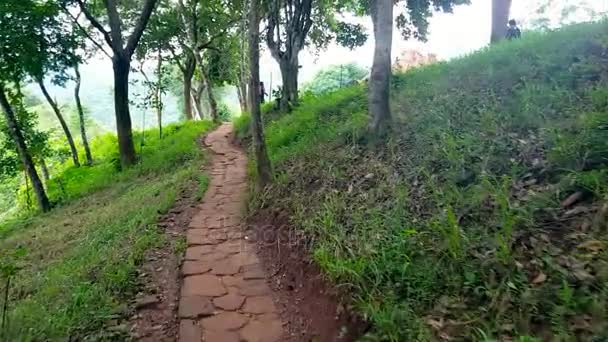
413 22
291 25
28 30
500 17
548 14
202 25
156 44
81 116
257 128
61 119
133 16
335 77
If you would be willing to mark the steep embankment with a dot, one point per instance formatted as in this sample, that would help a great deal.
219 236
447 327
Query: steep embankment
483 215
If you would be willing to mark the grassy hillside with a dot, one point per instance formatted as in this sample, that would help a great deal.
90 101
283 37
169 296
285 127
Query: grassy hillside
77 264
483 215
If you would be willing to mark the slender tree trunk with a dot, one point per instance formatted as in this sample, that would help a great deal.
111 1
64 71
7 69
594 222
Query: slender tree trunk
64 125
242 75
126 148
26 158
197 98
188 74
380 78
262 161
500 18
83 132
210 96
159 103
242 94
45 171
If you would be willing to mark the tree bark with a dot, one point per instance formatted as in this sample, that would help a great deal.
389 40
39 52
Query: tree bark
262 161
45 171
121 66
242 75
159 90
24 155
83 131
188 73
242 94
380 78
500 18
289 74
64 125
211 97
197 98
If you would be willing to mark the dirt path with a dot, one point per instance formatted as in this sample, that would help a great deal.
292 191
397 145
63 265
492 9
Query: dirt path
224 296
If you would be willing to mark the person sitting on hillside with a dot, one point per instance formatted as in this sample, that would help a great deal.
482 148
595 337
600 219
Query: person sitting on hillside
513 32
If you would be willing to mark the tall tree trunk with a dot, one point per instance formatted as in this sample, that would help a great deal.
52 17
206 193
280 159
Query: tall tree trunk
242 75
26 158
197 98
380 78
121 66
289 73
45 171
159 103
210 96
83 131
262 161
500 18
64 125
188 74
242 94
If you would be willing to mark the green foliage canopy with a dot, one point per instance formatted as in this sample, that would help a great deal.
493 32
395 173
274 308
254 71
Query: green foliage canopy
335 77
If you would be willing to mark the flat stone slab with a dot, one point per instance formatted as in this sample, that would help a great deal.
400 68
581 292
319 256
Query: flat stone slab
268 329
203 285
229 302
225 321
189 331
259 305
195 307
195 267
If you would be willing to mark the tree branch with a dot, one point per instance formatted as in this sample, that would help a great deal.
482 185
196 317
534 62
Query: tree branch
114 21
176 59
140 26
207 44
270 41
84 31
95 23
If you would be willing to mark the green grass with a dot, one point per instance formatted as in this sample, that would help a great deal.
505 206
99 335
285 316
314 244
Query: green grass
80 262
452 227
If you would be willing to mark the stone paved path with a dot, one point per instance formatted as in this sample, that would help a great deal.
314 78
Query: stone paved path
224 296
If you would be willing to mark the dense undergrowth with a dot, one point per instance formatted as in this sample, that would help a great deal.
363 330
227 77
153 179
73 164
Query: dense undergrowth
78 262
483 215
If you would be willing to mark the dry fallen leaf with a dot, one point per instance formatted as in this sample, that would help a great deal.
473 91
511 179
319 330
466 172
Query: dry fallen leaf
435 324
582 275
540 278
572 199
594 246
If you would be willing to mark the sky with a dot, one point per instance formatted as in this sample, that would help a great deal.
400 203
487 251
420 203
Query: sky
450 35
